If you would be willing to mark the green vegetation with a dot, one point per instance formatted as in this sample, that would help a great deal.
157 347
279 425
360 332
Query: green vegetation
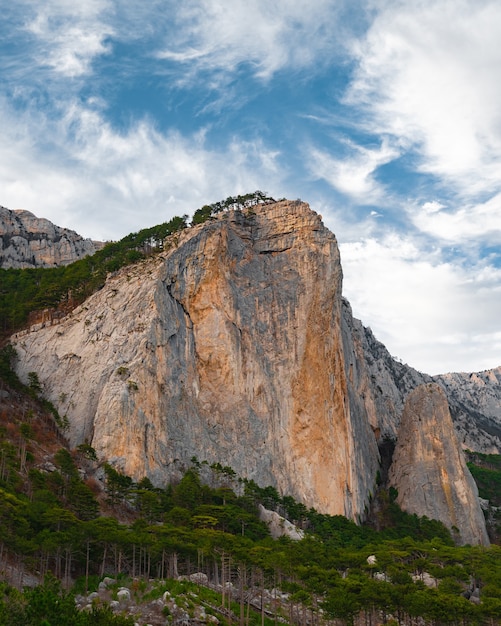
23 291
486 470
55 525
50 605
246 201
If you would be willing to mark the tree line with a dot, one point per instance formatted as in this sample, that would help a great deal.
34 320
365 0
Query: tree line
56 522
23 291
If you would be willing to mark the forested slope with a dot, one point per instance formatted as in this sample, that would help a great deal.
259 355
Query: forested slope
64 514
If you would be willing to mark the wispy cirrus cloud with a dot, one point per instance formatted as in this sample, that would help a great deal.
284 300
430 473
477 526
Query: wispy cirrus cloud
216 36
479 222
94 173
354 174
59 37
384 114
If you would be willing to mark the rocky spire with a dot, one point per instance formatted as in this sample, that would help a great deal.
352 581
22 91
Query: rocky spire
429 470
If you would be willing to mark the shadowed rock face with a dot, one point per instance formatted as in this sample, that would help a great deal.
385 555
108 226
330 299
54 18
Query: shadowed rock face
29 241
429 470
228 349
383 383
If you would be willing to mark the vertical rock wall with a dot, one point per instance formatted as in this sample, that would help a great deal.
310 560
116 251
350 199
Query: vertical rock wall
230 349
235 346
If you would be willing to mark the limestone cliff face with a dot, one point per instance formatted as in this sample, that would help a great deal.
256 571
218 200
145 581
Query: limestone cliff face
235 346
429 470
229 348
29 241
475 401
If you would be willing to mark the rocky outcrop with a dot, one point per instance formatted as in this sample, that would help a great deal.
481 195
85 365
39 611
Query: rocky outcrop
29 241
230 349
475 401
279 526
235 346
378 381
429 470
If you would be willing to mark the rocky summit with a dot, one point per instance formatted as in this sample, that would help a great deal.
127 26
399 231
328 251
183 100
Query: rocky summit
30 241
233 345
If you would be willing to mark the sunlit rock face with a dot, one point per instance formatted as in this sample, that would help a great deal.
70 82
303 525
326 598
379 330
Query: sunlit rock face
378 381
429 470
29 241
230 349
235 346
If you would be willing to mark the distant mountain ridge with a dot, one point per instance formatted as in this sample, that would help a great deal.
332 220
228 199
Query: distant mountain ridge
235 345
474 398
29 241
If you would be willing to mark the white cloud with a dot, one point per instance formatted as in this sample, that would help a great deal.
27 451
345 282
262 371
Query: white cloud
428 73
105 184
424 310
432 206
269 36
353 175
425 84
69 35
480 222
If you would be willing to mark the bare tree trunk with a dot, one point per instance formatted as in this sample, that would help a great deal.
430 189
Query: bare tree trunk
67 568
262 598
173 573
103 563
22 455
87 552
216 573
241 575
223 579
58 563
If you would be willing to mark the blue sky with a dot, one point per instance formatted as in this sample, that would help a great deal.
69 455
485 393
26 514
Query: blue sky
384 115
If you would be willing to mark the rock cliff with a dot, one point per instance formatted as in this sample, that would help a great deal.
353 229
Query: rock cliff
429 470
380 382
29 241
384 383
475 402
234 345
230 349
